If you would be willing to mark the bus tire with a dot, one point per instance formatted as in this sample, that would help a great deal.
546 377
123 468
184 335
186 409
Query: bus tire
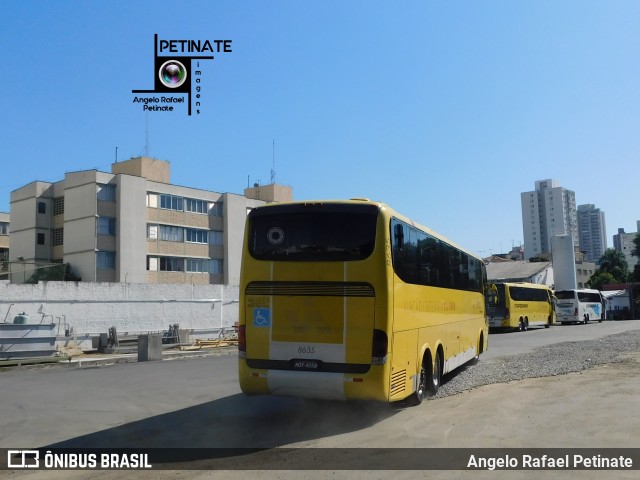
521 325
526 323
423 379
435 375
479 350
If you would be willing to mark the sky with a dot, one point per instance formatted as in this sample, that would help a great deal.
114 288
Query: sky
446 111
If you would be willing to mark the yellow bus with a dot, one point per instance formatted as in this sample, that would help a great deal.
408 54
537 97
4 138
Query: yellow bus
520 305
351 300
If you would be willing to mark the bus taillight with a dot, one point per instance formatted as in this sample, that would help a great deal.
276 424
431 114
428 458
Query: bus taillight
575 313
242 341
506 314
379 348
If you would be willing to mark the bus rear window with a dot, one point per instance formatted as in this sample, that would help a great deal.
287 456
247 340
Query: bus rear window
312 232
566 295
591 297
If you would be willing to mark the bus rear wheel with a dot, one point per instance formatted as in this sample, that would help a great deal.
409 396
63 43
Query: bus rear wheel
436 375
428 380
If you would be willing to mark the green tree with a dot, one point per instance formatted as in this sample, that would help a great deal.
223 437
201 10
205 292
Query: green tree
613 263
636 246
59 272
635 275
599 279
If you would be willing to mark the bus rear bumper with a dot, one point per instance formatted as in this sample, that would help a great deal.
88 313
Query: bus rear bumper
316 385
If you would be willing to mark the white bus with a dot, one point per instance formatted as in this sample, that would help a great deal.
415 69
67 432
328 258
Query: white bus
579 306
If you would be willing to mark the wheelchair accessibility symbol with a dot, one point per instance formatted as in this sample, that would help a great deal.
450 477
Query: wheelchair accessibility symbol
261 317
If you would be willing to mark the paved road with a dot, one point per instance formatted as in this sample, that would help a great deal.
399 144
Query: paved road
512 343
196 403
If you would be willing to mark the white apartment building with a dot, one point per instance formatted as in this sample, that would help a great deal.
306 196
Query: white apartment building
547 211
592 232
132 225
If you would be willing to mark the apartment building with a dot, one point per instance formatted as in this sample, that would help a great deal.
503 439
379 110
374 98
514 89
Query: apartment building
547 211
133 225
592 231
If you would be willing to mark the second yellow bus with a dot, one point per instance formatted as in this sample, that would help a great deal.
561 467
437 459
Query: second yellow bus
520 305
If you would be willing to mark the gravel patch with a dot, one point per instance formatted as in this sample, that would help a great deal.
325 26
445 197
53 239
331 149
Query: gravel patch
551 360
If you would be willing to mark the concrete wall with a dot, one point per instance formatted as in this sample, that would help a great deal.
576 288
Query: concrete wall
91 308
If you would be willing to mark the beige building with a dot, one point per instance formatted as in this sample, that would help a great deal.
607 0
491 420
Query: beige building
133 225
584 269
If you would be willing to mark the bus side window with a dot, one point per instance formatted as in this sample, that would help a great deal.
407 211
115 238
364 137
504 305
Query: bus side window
399 235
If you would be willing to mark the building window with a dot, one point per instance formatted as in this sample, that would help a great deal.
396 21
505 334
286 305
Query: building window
106 260
215 266
4 228
152 232
171 202
215 209
58 206
42 207
152 200
197 236
106 192
215 237
171 264
152 264
199 265
57 236
196 206
106 226
171 234
40 238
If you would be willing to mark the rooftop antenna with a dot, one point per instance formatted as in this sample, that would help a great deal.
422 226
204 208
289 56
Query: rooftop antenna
273 164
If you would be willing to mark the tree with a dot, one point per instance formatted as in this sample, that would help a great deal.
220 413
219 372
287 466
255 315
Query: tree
613 269
635 275
613 262
59 272
599 279
636 246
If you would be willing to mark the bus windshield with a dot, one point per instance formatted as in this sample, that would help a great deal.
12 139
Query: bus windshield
496 295
312 232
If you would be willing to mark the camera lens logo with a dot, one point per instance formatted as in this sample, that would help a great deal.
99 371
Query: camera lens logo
172 74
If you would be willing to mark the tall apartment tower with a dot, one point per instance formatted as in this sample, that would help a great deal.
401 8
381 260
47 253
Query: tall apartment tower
592 231
547 211
131 225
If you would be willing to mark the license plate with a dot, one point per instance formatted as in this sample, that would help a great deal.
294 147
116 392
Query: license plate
303 364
